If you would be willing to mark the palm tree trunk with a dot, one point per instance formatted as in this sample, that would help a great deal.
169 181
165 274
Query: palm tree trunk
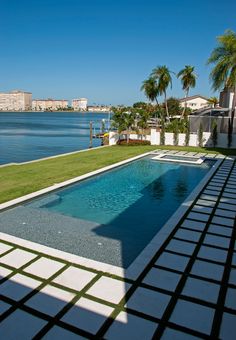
167 111
233 110
185 104
127 136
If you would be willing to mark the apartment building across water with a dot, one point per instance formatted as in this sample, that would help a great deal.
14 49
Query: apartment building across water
49 104
15 101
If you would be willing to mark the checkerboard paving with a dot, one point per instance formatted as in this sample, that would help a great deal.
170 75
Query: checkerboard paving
187 291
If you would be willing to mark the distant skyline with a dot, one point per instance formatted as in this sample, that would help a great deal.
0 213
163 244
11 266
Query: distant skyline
103 50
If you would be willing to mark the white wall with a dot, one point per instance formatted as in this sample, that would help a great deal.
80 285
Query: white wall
154 138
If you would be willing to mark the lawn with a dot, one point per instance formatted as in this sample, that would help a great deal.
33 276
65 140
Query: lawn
19 180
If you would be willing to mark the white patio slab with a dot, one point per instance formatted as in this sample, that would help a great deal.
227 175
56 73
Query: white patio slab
207 270
229 222
218 241
21 324
223 231
87 315
213 254
202 290
50 300
193 316
149 302
4 272
231 298
109 289
188 235
44 268
228 327
18 286
181 247
4 247
177 335
57 332
4 307
128 326
162 279
74 278
172 261
17 258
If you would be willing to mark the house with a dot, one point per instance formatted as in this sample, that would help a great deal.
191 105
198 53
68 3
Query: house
226 98
195 102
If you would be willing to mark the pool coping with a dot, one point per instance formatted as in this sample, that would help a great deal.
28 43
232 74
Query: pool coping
141 261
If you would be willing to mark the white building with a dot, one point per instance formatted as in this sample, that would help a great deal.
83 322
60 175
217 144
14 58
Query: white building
99 108
226 98
195 102
49 104
80 104
15 101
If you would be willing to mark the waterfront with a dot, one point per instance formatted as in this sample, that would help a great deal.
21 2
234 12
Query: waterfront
26 136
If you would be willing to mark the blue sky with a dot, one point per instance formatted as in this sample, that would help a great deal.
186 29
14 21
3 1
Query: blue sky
102 49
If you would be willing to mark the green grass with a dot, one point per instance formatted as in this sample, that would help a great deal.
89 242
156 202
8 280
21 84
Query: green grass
19 180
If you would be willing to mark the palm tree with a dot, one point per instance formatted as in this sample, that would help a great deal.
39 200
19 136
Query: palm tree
223 74
123 119
143 116
163 77
150 89
129 121
213 101
188 80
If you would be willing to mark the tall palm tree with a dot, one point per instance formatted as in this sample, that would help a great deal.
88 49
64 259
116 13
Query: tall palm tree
223 74
213 101
188 80
150 89
163 77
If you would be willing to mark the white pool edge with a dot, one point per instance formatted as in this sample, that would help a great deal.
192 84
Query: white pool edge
141 261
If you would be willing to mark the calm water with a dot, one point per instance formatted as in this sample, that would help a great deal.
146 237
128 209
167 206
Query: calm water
33 135
110 217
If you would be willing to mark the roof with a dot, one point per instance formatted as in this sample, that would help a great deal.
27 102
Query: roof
193 97
211 111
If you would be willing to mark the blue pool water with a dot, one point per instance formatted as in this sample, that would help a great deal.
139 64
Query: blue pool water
110 217
25 136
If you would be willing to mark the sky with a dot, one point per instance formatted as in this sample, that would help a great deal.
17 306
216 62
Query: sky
104 49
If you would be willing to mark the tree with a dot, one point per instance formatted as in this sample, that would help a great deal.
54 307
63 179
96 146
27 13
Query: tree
223 74
162 76
117 119
188 80
123 119
174 106
213 101
140 105
129 121
142 120
150 89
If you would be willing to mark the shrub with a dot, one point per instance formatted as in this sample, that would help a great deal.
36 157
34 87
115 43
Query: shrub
176 133
214 133
180 123
229 133
162 133
200 135
187 133
133 142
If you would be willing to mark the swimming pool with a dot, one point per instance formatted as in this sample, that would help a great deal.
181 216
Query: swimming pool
110 217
